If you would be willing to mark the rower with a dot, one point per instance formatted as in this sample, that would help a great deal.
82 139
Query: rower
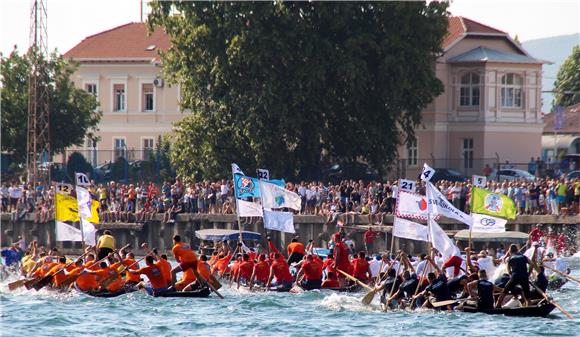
437 286
57 272
205 271
387 286
157 283
341 252
312 271
518 270
406 289
296 251
164 265
541 282
245 270
131 279
482 290
186 258
108 274
281 271
331 281
261 272
85 282
360 268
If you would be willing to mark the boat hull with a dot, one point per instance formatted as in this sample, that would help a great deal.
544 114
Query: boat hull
542 310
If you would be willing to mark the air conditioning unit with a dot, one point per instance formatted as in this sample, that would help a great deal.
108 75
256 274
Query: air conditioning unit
158 82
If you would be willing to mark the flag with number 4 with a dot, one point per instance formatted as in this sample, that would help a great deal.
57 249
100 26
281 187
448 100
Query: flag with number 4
427 173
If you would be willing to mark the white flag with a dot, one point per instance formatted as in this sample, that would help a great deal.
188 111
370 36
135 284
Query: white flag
274 196
82 179
442 242
236 170
411 205
427 173
66 232
89 232
438 205
479 181
487 224
407 185
84 200
410 230
263 174
248 208
279 221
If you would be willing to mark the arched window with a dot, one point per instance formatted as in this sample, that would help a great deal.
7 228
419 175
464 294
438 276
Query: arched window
511 91
469 90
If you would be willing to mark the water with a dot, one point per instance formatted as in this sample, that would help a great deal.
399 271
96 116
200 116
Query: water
313 313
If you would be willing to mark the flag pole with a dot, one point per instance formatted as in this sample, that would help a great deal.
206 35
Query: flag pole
471 209
237 205
79 212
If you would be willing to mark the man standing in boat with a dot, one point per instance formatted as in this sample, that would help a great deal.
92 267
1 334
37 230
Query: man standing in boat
517 265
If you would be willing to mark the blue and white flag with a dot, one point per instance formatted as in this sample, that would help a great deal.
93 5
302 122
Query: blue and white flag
487 224
248 208
438 205
279 221
246 187
274 196
236 169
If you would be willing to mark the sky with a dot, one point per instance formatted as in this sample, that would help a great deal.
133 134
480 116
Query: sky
70 21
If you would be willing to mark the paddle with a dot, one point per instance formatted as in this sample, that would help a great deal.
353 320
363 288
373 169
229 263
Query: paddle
446 303
551 301
19 283
352 278
571 278
368 298
105 283
48 278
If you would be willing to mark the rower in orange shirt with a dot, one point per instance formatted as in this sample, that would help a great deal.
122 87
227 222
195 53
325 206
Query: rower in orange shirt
261 272
57 272
245 270
296 251
110 275
185 257
157 283
45 267
221 265
281 271
165 267
312 271
204 270
85 282
131 279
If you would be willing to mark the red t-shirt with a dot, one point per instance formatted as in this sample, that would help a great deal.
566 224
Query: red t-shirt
312 270
245 269
370 236
262 271
536 235
341 257
360 268
281 271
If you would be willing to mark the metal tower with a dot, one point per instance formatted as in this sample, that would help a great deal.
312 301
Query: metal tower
38 140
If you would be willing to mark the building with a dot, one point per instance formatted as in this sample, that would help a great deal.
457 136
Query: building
490 110
564 139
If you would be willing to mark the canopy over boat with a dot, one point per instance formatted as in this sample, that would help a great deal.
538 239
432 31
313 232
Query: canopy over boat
226 234
507 237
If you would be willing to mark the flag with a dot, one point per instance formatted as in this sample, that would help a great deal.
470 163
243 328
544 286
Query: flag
82 179
89 232
411 205
67 232
236 169
84 200
495 204
248 208
410 230
94 218
438 205
274 196
279 182
427 173
441 241
66 208
487 224
246 187
279 221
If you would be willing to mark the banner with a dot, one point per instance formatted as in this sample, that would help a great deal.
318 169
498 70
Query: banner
494 204
248 208
479 181
279 221
438 204
410 230
89 232
67 232
487 224
442 242
66 208
411 205
427 173
246 187
82 179
274 196
84 200
94 218
407 185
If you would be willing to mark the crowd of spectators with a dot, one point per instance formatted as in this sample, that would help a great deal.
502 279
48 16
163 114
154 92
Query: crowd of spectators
140 202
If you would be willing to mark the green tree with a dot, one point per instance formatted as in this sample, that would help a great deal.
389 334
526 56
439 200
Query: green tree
290 85
567 84
77 163
73 112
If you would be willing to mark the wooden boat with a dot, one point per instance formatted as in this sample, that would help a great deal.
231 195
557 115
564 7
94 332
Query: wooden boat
196 293
557 283
110 294
541 310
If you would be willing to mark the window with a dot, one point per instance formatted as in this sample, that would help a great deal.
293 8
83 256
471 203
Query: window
148 144
468 153
412 153
119 98
511 91
91 88
469 90
119 148
147 97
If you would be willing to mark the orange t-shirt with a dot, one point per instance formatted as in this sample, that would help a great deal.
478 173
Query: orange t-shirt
111 271
262 271
212 260
183 253
203 269
312 270
85 281
154 274
165 267
44 269
58 276
130 276
221 265
296 247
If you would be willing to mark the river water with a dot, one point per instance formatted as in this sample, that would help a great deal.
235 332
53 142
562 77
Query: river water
242 313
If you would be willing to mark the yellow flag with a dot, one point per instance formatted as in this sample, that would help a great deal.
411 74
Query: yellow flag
496 204
94 212
66 208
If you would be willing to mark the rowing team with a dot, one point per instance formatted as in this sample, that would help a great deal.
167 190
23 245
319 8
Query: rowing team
105 275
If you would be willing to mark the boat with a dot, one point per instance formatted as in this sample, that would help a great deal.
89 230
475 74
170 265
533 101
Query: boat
196 293
541 310
110 294
557 283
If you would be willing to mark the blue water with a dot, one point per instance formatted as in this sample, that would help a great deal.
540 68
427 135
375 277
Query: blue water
242 313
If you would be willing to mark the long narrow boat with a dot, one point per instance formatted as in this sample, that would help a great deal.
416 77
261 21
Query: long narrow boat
109 294
197 293
541 310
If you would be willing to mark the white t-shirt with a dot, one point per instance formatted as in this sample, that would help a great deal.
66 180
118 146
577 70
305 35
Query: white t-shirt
486 263
15 192
374 266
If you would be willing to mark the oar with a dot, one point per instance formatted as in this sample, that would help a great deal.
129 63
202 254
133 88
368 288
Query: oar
446 303
352 278
19 283
551 301
368 298
571 278
203 280
105 283
48 278
419 283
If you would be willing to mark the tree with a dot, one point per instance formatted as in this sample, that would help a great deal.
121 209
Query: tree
73 112
567 84
289 85
77 163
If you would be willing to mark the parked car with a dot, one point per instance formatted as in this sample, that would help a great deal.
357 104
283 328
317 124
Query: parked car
511 174
573 174
356 171
104 172
448 174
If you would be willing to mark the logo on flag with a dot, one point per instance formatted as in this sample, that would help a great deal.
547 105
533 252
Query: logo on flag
422 204
493 203
246 185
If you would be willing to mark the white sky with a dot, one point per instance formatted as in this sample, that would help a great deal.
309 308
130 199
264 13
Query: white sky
70 21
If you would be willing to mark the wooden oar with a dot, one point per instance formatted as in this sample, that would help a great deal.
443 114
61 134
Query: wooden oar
105 283
448 302
352 278
571 278
19 283
552 301
368 298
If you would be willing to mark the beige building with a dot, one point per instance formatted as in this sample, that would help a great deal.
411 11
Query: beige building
490 108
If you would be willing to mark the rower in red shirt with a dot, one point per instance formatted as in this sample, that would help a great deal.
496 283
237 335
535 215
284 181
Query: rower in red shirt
361 268
535 235
245 270
331 281
312 271
281 271
261 272
341 252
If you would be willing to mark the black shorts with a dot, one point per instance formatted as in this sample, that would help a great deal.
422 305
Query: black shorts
295 257
521 281
311 284
103 252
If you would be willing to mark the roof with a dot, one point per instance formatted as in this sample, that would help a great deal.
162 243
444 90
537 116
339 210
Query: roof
571 121
226 234
129 41
459 27
509 236
484 54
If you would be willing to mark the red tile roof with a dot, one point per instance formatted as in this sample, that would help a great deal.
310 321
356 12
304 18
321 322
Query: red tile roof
131 40
127 41
571 121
